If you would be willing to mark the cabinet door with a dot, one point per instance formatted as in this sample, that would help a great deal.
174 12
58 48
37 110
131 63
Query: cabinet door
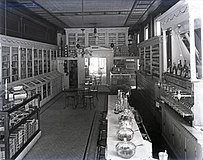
29 62
5 64
167 127
190 152
178 141
14 64
36 63
40 62
45 61
48 61
23 63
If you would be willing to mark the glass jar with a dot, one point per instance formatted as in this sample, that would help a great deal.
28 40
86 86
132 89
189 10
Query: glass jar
125 149
125 133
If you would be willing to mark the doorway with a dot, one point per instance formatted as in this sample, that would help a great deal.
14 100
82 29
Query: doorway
96 68
73 74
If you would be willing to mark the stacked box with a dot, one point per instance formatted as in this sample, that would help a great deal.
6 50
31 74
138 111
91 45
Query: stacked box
21 136
124 51
24 128
12 145
2 152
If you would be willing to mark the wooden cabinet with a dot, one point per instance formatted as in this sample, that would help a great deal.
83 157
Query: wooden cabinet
5 64
104 37
178 136
29 62
150 52
19 127
15 62
21 59
36 63
24 62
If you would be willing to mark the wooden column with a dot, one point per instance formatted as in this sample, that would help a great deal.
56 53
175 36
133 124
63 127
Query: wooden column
164 52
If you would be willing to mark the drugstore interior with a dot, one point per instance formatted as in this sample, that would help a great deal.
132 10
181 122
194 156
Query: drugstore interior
72 70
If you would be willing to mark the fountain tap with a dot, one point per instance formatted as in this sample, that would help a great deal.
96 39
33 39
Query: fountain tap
179 95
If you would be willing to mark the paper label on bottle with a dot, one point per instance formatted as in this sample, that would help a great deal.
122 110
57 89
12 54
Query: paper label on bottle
157 104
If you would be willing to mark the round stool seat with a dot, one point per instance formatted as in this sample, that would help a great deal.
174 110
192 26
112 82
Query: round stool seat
103 127
103 121
102 143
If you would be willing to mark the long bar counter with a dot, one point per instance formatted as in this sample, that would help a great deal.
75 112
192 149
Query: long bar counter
143 147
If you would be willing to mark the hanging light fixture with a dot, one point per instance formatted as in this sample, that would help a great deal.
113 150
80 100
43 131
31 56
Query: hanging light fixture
80 48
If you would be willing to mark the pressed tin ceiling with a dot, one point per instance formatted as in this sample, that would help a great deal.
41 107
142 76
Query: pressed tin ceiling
90 13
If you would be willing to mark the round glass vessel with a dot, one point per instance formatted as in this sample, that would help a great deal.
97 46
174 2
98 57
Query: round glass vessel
125 149
125 133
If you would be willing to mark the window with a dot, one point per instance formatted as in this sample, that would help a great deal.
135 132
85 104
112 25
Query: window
146 32
97 69
157 27
138 38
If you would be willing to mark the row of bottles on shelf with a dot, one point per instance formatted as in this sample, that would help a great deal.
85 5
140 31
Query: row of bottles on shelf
122 101
119 69
180 70
122 51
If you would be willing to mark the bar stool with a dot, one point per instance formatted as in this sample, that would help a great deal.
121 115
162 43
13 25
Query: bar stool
94 91
70 101
88 98
80 97
101 145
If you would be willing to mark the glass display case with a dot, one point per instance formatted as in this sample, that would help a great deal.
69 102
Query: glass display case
29 62
31 90
48 61
15 64
36 63
23 63
45 61
5 64
71 44
40 61
19 125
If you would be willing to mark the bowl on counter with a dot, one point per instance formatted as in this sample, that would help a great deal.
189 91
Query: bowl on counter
125 149
125 133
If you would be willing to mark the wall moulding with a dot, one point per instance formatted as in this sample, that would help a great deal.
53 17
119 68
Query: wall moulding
13 41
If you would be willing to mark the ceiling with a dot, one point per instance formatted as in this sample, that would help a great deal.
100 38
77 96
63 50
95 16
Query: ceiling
91 13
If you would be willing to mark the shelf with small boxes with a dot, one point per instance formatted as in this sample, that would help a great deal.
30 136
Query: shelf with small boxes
19 123
29 62
23 62
5 64
14 64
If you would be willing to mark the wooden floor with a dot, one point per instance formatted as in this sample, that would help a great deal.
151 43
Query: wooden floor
71 133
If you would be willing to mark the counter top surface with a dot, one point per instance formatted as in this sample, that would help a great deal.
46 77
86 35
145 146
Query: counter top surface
143 147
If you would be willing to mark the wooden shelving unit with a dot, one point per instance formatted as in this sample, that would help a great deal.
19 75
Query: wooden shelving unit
101 39
15 64
147 60
36 62
149 56
23 63
48 61
155 60
20 124
112 38
5 64
45 61
91 39
29 62
40 62
121 39
71 44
